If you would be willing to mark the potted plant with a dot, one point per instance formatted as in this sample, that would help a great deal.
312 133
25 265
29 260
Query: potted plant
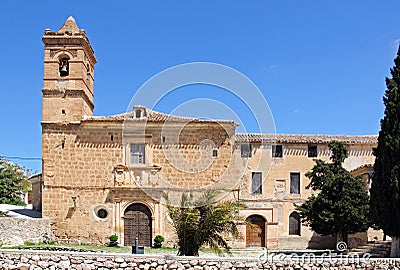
158 241
113 240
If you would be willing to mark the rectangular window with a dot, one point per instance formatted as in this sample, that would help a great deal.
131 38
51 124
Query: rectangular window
215 152
138 114
245 150
277 151
256 183
137 154
312 151
294 183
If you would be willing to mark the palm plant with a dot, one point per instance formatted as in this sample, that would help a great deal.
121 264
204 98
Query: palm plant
204 222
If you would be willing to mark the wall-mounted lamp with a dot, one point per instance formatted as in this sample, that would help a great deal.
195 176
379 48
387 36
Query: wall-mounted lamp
74 199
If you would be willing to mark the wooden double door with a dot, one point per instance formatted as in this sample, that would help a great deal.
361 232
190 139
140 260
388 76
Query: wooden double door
255 234
137 223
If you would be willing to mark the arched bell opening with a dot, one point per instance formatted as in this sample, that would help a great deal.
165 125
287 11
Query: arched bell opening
64 66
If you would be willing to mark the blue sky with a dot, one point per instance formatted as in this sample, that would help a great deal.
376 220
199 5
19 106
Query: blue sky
319 64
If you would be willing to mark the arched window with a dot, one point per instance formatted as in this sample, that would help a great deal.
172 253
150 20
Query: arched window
138 113
294 224
64 66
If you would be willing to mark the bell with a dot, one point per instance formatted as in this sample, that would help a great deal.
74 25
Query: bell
64 69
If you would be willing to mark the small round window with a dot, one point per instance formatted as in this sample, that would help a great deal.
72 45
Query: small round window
101 212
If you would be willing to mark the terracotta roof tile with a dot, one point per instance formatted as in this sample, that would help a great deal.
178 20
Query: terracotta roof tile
364 166
294 138
154 116
151 116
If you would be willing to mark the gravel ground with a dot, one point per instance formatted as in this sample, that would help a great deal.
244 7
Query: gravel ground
19 211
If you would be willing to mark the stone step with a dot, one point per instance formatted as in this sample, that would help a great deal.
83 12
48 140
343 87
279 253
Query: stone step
373 248
377 249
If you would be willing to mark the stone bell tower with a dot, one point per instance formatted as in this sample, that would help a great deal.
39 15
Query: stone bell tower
68 74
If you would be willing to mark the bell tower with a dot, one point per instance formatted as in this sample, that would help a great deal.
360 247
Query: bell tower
68 74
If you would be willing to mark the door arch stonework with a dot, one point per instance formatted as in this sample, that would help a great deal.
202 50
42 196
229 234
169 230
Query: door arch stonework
255 237
137 223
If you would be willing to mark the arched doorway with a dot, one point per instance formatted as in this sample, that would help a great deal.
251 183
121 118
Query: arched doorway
137 223
294 223
255 237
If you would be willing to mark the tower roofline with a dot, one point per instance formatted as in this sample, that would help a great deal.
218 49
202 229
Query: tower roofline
69 35
69 26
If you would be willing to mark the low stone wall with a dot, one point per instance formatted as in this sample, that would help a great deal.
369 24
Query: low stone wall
16 231
24 260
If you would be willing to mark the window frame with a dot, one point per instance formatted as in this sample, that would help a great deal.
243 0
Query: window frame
214 152
294 228
274 152
314 152
243 148
292 191
96 211
140 154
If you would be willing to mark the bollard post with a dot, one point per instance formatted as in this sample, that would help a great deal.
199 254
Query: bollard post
137 245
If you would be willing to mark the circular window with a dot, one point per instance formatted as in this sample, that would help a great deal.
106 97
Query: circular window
102 213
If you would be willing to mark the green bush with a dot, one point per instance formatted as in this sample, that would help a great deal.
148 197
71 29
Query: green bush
27 243
113 237
159 239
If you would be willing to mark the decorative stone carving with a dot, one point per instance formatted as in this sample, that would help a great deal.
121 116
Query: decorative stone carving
280 186
121 176
153 176
53 52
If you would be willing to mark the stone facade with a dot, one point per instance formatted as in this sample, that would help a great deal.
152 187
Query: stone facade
36 192
107 175
17 231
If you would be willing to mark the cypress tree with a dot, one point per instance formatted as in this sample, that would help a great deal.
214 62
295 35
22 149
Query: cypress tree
385 189
341 206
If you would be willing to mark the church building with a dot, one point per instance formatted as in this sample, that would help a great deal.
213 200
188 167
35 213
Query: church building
105 175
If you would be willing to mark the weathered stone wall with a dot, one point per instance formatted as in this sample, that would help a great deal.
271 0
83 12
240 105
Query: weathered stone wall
276 203
79 162
187 160
24 260
16 231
